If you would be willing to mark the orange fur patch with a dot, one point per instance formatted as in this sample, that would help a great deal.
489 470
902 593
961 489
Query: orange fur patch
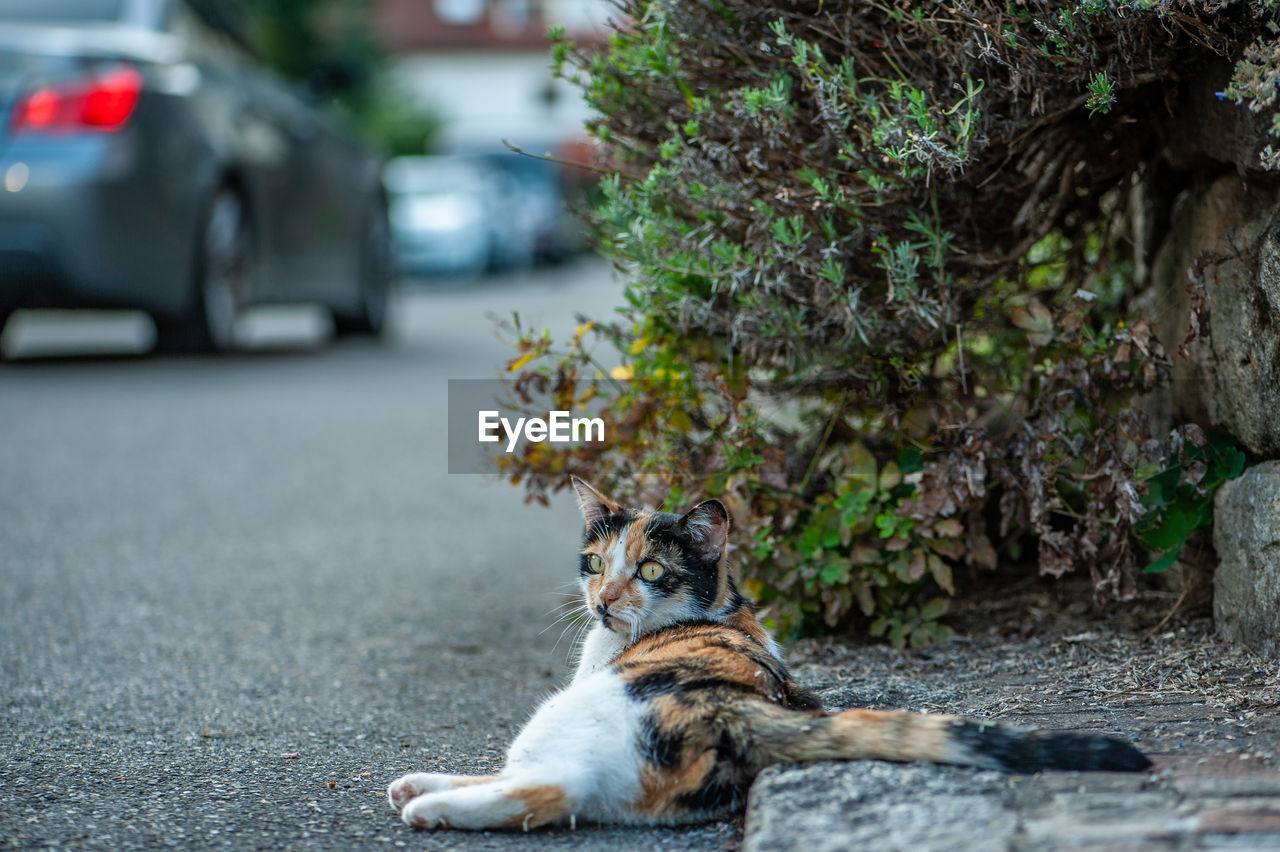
602 547
659 789
745 620
634 542
892 735
721 654
722 588
472 780
541 804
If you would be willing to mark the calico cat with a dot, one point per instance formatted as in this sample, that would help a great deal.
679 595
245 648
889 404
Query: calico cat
680 698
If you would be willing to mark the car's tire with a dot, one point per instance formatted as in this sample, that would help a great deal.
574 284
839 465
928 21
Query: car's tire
221 279
376 276
5 313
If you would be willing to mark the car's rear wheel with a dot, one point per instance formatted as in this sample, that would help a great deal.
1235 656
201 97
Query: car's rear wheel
222 278
5 313
370 317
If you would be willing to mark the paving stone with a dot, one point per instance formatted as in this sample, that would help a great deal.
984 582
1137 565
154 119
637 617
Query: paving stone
834 807
1241 818
1215 785
1069 829
1250 785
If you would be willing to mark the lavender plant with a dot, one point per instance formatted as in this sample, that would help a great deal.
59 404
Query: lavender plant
880 262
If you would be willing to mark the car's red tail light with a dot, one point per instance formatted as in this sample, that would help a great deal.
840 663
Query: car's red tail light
100 103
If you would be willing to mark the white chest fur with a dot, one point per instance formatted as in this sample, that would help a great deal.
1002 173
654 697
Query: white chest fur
598 649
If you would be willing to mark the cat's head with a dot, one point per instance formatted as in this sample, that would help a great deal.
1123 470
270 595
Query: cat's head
642 570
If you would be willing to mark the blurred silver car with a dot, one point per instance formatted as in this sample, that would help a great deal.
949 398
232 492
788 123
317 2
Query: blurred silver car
455 214
539 203
145 162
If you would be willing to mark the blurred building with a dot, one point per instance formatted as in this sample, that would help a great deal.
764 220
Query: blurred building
484 66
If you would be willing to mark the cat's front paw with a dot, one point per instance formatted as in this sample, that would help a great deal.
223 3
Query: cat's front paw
426 812
408 787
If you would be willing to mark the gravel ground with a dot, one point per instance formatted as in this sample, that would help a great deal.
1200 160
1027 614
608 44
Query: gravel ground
1204 711
1026 656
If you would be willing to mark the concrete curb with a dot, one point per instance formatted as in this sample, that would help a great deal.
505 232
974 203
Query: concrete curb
1216 784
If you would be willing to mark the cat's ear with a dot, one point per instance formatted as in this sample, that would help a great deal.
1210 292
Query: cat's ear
707 526
595 506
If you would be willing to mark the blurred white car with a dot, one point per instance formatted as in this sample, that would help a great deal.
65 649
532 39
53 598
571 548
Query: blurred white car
454 215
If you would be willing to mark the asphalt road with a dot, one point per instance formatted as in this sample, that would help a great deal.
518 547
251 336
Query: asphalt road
239 595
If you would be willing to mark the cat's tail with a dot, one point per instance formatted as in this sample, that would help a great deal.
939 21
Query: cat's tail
787 736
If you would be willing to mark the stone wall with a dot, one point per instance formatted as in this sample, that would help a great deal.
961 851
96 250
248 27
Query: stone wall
1246 534
1226 227
1230 229
1224 233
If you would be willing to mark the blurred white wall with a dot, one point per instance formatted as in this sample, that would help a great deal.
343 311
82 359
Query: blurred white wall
488 96
578 16
499 86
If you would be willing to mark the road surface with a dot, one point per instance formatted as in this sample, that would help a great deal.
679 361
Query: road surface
241 594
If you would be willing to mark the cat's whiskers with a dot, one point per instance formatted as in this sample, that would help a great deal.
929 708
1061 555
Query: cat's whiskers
575 648
568 610
560 609
574 613
568 596
567 620
578 616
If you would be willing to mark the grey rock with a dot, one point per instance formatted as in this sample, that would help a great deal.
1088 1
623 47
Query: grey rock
1206 130
1245 338
833 807
1230 380
1128 820
1246 535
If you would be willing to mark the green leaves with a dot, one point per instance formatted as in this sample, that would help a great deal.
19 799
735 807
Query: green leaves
1102 94
913 626
772 103
790 231
1036 319
858 549
1179 499
834 572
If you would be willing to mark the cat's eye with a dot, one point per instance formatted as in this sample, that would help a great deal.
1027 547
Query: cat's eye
595 563
651 571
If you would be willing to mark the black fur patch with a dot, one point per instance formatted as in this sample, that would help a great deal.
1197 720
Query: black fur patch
613 523
726 784
661 747
799 698
724 790
1018 750
700 576
673 681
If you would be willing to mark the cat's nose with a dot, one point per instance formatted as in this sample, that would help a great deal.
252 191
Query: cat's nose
607 597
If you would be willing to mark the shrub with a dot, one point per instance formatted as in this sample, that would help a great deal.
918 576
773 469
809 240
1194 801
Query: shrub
881 261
